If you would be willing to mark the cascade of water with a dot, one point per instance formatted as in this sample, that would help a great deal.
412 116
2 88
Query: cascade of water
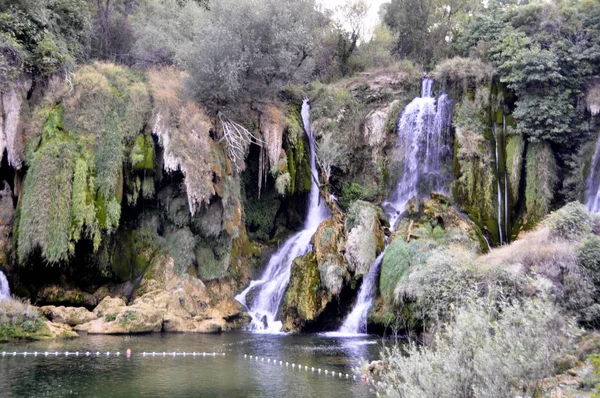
4 289
424 138
356 322
498 188
505 182
422 147
268 291
593 182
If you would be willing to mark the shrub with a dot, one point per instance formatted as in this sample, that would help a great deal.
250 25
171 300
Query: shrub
588 256
19 320
571 222
464 73
486 350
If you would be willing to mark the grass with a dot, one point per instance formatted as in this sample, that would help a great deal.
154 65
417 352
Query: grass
21 321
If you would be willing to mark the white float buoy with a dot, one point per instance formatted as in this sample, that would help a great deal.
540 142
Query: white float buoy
97 353
35 353
280 362
45 353
77 353
326 371
312 369
25 354
319 370
3 353
287 363
262 359
306 368
107 353
223 354
340 374
346 375
118 353
293 365
14 353
87 354
333 373
245 355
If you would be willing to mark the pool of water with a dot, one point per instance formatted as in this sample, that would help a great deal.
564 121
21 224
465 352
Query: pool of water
203 375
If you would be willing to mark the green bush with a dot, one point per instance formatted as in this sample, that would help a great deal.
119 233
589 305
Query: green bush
571 222
488 349
19 320
588 256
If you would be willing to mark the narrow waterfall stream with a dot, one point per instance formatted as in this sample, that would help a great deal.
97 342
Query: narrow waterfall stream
424 141
498 188
263 297
592 197
4 289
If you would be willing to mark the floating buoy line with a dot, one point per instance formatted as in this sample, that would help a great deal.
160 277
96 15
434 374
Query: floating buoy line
173 354
305 368
108 354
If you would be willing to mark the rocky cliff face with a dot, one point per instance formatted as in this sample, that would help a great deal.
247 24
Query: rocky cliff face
151 206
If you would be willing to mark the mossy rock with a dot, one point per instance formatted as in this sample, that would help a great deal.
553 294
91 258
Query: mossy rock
304 299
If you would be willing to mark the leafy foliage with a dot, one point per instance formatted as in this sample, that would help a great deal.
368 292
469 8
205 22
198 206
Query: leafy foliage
259 45
74 185
488 349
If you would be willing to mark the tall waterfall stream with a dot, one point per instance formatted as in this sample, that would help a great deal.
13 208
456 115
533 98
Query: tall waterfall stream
424 144
267 292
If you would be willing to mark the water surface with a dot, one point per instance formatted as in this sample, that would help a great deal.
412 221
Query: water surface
232 375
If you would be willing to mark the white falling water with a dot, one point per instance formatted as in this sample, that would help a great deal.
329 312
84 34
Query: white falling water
356 322
4 289
423 145
593 182
498 189
424 142
267 292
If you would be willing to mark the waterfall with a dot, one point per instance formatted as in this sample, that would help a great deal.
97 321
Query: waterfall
593 182
356 321
423 145
4 289
424 138
505 181
267 292
498 188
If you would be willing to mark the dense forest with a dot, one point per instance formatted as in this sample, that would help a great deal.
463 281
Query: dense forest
155 156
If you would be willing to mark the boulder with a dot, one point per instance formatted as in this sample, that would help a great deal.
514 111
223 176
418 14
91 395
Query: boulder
71 316
60 331
304 299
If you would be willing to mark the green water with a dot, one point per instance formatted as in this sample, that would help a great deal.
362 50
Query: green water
231 375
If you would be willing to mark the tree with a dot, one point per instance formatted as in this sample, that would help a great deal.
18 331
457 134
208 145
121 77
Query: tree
425 28
247 47
160 28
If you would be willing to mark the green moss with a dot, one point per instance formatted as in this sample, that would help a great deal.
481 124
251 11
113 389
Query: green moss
302 294
541 179
111 317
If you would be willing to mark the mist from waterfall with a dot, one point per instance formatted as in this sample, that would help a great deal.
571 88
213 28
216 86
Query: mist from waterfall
263 297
